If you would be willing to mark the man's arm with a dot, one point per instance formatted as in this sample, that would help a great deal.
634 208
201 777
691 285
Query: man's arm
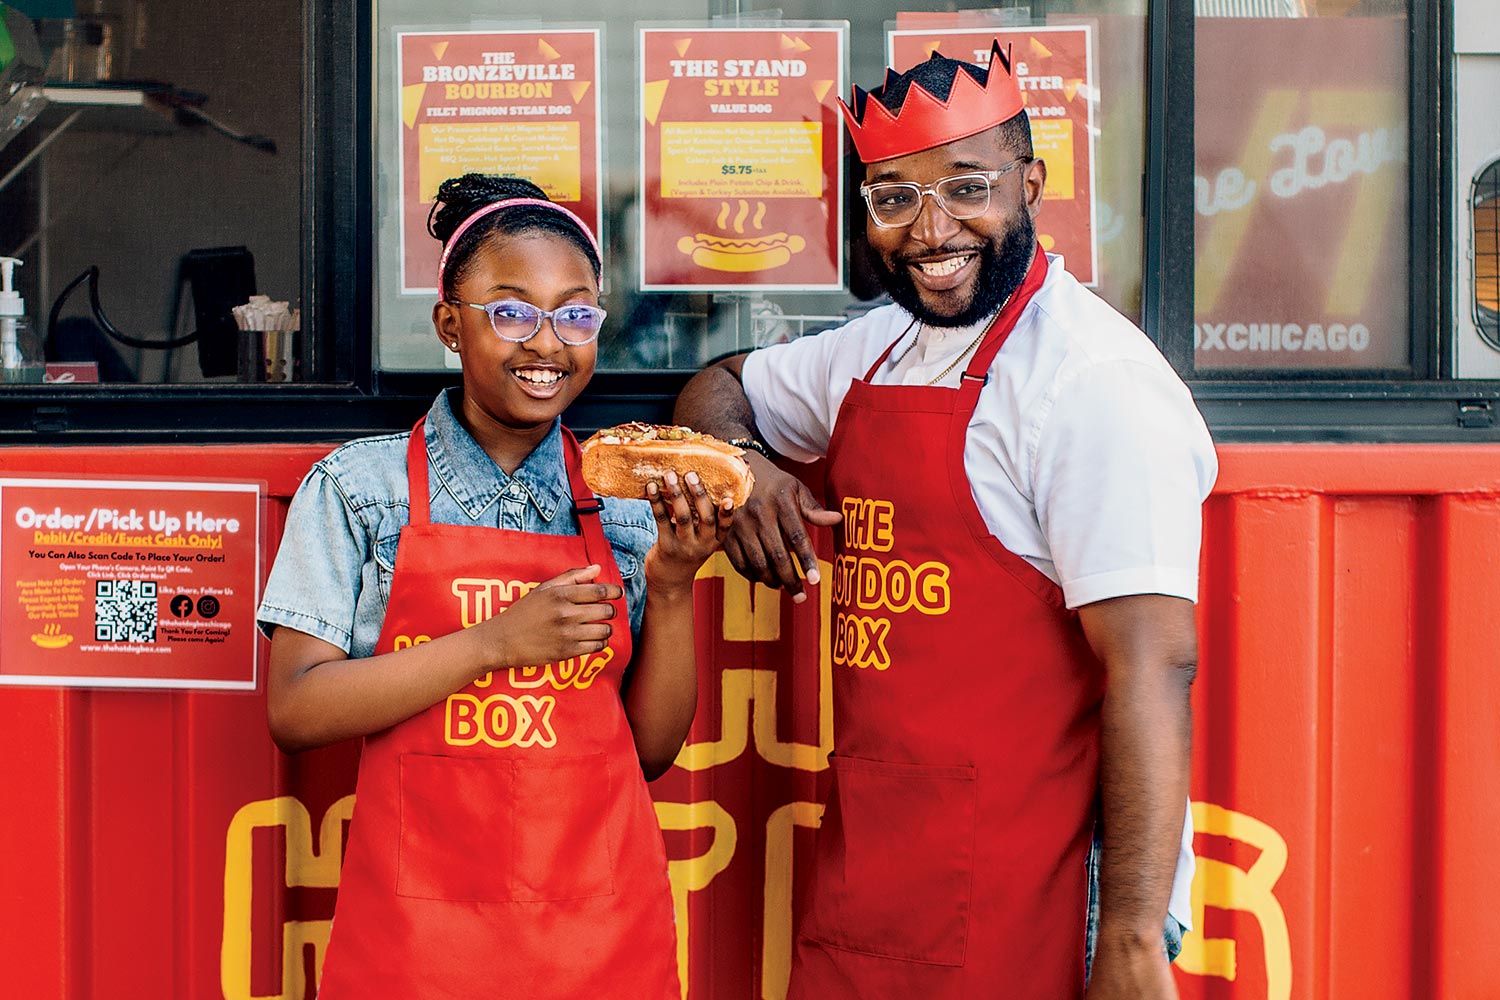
770 529
1148 644
714 402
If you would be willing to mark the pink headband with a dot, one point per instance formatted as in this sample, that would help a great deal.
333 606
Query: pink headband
496 206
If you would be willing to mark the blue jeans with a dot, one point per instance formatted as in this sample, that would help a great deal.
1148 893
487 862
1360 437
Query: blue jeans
1171 941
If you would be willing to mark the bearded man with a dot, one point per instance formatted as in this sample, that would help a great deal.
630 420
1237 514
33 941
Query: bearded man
1016 475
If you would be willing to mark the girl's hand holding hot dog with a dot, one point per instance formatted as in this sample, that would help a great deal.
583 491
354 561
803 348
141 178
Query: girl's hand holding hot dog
767 541
689 529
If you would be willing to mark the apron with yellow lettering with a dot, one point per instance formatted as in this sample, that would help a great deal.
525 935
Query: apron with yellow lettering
951 857
503 842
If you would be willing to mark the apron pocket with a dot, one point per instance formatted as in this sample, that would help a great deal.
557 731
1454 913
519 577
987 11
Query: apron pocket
454 828
894 874
478 829
561 842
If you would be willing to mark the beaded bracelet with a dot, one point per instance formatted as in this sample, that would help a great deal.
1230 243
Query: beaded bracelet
752 445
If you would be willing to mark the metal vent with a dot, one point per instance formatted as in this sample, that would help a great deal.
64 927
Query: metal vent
1484 243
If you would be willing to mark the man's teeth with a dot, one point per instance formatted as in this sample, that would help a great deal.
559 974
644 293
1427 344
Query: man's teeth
943 268
539 376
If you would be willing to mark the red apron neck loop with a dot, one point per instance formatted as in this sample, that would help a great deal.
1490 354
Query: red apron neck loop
584 500
999 329
1005 320
416 474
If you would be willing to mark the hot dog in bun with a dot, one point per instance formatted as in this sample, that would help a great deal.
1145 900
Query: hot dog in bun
619 461
719 253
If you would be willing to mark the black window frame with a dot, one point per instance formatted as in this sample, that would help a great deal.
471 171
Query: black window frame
356 399
1429 406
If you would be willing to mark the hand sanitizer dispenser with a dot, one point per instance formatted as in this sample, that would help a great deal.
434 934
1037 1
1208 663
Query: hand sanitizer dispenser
20 352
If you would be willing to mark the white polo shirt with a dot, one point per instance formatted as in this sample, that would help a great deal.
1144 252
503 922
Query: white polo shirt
1086 454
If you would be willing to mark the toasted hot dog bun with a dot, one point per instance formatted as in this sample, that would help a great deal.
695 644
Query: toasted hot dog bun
619 461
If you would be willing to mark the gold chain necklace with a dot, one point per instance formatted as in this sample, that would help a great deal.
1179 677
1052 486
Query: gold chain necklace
966 351
897 359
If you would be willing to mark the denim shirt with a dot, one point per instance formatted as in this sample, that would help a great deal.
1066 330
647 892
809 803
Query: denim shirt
332 575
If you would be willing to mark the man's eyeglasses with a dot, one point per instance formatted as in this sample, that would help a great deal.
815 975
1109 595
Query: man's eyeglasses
893 204
518 322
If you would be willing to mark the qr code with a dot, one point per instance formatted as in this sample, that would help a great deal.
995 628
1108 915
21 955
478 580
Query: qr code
125 611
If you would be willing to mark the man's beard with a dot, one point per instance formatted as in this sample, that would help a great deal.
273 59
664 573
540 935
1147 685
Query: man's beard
1001 271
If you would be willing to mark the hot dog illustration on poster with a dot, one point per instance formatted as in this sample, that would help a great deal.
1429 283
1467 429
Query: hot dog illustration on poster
741 158
126 583
1054 66
524 103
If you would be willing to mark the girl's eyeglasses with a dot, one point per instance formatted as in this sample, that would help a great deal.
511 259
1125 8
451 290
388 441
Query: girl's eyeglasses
518 322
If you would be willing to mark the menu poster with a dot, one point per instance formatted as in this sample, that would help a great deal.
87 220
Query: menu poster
741 158
1055 68
128 583
518 102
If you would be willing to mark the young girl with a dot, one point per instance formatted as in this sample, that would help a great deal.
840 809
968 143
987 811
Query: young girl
503 842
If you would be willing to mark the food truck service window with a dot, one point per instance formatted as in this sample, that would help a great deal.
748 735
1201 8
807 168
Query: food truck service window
151 179
704 142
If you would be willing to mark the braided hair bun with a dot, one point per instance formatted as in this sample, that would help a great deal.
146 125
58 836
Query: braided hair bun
460 197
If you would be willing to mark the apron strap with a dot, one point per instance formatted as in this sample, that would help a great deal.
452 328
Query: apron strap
416 474
1000 327
870 375
974 378
585 504
976 374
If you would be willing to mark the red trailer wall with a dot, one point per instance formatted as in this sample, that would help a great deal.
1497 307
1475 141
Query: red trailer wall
157 845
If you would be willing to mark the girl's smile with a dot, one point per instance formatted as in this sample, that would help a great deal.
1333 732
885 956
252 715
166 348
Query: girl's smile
540 381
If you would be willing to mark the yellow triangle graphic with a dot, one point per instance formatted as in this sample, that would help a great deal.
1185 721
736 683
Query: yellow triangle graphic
579 89
1070 87
800 45
547 51
652 94
438 48
820 89
931 47
681 45
1038 49
411 103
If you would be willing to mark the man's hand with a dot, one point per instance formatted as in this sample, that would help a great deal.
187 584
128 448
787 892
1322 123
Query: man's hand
768 542
1131 970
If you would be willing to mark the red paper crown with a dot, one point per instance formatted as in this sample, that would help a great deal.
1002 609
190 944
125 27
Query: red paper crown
925 122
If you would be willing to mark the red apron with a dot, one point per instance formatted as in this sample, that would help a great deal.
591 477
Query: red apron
951 857
503 841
